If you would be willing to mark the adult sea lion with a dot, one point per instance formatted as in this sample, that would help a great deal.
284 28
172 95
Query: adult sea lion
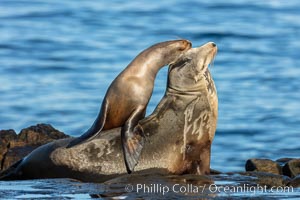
127 97
178 134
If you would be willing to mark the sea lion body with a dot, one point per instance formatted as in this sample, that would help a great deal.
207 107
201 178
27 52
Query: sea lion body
127 98
178 133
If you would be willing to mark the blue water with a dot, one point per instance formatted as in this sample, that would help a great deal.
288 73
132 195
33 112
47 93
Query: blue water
57 59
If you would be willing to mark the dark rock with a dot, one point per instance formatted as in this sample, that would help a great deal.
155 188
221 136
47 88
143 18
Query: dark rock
3 150
263 165
40 134
292 168
283 161
7 135
214 172
13 147
295 182
268 179
16 153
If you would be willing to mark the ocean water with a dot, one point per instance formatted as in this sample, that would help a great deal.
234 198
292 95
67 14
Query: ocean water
57 58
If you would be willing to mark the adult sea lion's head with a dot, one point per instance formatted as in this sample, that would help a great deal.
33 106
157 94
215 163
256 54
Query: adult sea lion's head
187 71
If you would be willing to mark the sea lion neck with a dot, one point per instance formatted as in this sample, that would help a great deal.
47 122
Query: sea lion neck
188 89
148 63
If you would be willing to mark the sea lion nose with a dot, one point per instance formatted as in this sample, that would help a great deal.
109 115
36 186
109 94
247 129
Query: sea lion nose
188 44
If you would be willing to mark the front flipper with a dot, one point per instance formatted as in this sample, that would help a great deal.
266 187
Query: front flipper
133 139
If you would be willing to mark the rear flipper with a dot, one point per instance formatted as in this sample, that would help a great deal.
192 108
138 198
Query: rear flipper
133 140
87 136
95 129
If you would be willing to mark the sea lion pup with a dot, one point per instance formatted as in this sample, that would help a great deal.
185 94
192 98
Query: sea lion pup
178 134
127 97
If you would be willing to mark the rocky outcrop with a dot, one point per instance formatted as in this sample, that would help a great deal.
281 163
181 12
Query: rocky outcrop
263 165
14 146
292 168
284 171
6 137
268 179
295 182
283 161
